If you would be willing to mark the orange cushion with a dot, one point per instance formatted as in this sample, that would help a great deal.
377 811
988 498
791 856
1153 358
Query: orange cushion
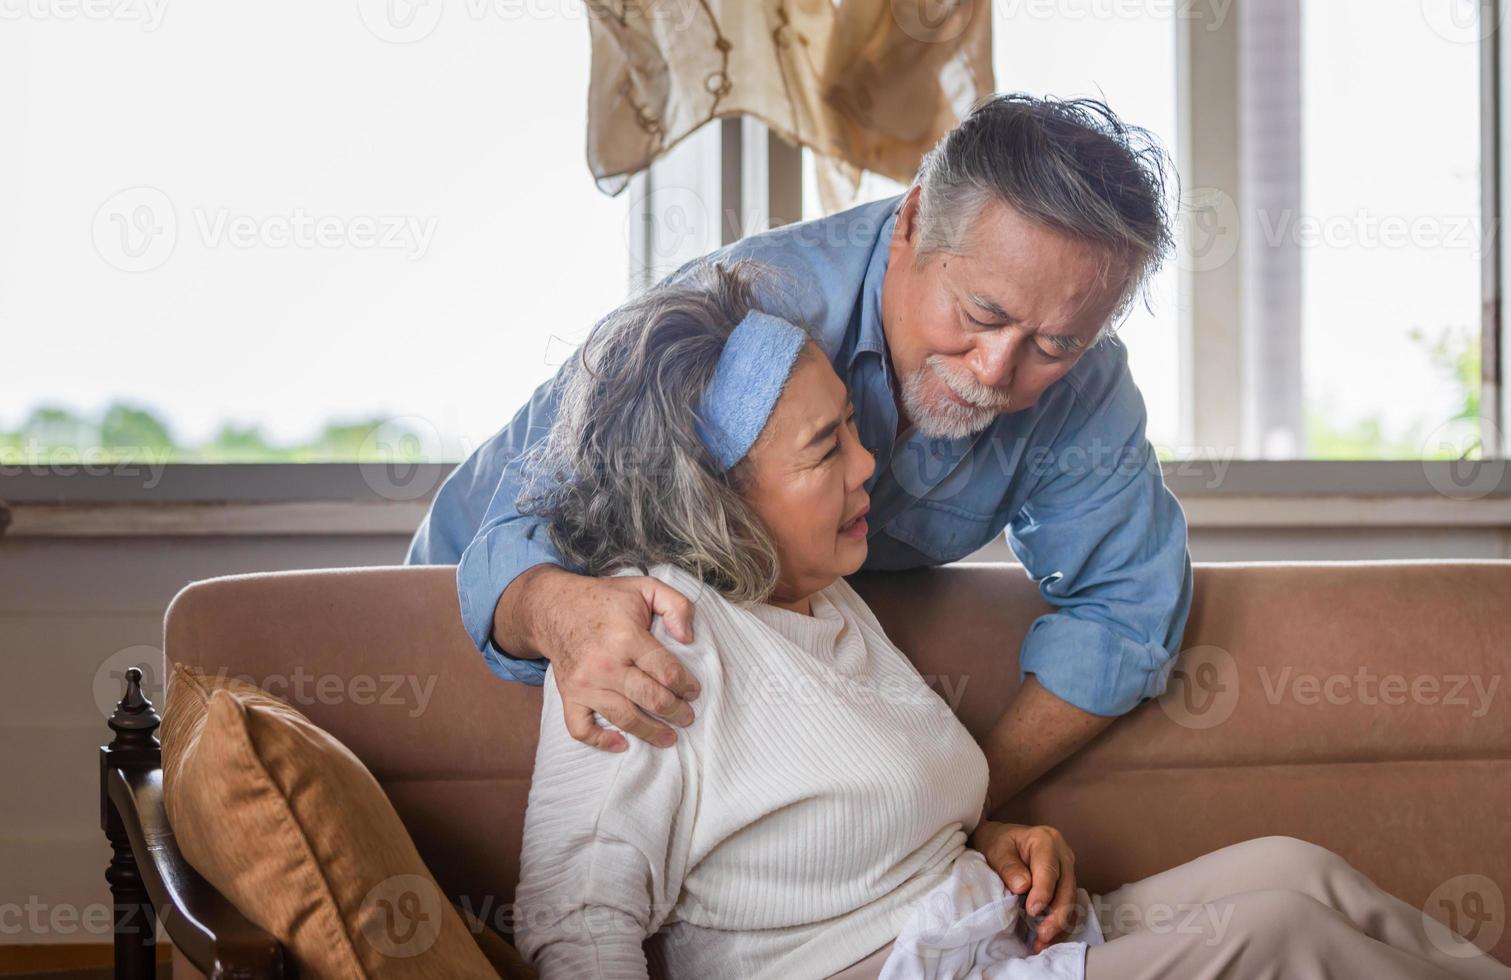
290 826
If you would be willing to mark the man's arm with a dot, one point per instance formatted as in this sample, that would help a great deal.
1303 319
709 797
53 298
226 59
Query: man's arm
523 609
1036 732
1106 541
502 543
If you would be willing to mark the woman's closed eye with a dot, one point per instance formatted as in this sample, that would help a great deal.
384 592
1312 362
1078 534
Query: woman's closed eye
833 452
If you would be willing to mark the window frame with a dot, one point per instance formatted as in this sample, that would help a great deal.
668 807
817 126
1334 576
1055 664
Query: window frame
1495 406
1214 386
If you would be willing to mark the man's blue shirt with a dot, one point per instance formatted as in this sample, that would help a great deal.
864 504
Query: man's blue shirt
1072 480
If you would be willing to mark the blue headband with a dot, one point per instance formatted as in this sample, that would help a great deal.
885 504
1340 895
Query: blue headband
752 370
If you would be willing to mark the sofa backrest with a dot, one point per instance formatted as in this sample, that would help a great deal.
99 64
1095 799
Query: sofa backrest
1359 706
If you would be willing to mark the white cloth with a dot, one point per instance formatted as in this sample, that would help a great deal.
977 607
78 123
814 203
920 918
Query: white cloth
823 789
970 928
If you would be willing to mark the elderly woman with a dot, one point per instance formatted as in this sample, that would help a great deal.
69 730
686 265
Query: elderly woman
817 818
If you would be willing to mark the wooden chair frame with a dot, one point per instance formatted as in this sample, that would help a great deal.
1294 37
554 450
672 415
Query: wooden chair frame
150 882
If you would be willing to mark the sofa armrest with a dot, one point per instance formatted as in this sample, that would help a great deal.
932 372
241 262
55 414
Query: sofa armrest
149 878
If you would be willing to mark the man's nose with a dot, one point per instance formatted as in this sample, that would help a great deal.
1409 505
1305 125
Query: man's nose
991 362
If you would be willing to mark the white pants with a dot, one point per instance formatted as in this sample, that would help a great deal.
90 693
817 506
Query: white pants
1276 908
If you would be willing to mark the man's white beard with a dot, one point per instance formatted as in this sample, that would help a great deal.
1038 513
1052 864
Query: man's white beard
942 418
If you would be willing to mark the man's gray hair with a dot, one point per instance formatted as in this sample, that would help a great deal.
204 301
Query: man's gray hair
623 480
1071 165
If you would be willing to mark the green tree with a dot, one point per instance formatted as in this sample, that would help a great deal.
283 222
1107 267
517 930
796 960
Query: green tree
373 440
234 443
129 432
52 427
1452 354
1360 439
1455 353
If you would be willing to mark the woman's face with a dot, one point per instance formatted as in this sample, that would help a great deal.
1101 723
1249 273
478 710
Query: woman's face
806 480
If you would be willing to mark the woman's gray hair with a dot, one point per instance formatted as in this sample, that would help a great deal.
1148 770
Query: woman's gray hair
1071 165
623 480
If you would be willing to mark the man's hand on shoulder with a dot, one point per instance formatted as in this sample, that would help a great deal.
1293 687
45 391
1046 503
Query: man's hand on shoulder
597 634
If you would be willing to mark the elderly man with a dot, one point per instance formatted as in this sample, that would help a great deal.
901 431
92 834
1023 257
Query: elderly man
971 320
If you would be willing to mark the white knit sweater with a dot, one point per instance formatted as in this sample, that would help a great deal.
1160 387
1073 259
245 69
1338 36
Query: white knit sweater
822 790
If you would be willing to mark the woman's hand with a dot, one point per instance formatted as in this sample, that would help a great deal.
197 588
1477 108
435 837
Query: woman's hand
1038 862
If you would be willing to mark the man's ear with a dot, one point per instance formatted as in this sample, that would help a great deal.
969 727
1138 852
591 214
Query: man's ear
905 231
907 214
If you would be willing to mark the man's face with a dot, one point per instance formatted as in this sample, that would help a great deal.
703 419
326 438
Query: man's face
984 331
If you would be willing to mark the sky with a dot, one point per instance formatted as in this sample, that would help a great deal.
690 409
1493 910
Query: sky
285 213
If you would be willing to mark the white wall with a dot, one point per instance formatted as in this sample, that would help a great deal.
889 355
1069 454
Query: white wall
67 606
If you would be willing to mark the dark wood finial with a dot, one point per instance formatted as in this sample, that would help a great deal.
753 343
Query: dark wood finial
133 750
133 687
135 719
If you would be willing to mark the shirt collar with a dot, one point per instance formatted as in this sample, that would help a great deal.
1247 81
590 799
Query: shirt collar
870 337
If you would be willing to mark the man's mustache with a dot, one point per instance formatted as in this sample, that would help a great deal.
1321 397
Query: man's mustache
984 397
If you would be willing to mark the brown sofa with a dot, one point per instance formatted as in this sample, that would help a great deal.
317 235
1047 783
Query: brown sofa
1354 705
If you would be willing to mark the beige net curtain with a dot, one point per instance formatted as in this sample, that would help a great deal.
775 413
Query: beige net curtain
866 84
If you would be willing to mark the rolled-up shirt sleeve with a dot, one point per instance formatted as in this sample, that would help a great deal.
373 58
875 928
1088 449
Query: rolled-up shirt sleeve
1106 541
507 542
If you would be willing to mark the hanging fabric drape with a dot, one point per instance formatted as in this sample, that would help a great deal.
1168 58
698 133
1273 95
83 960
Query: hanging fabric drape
866 84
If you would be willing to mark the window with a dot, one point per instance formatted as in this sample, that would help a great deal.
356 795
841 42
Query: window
292 231
1388 231
227 239
1362 244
